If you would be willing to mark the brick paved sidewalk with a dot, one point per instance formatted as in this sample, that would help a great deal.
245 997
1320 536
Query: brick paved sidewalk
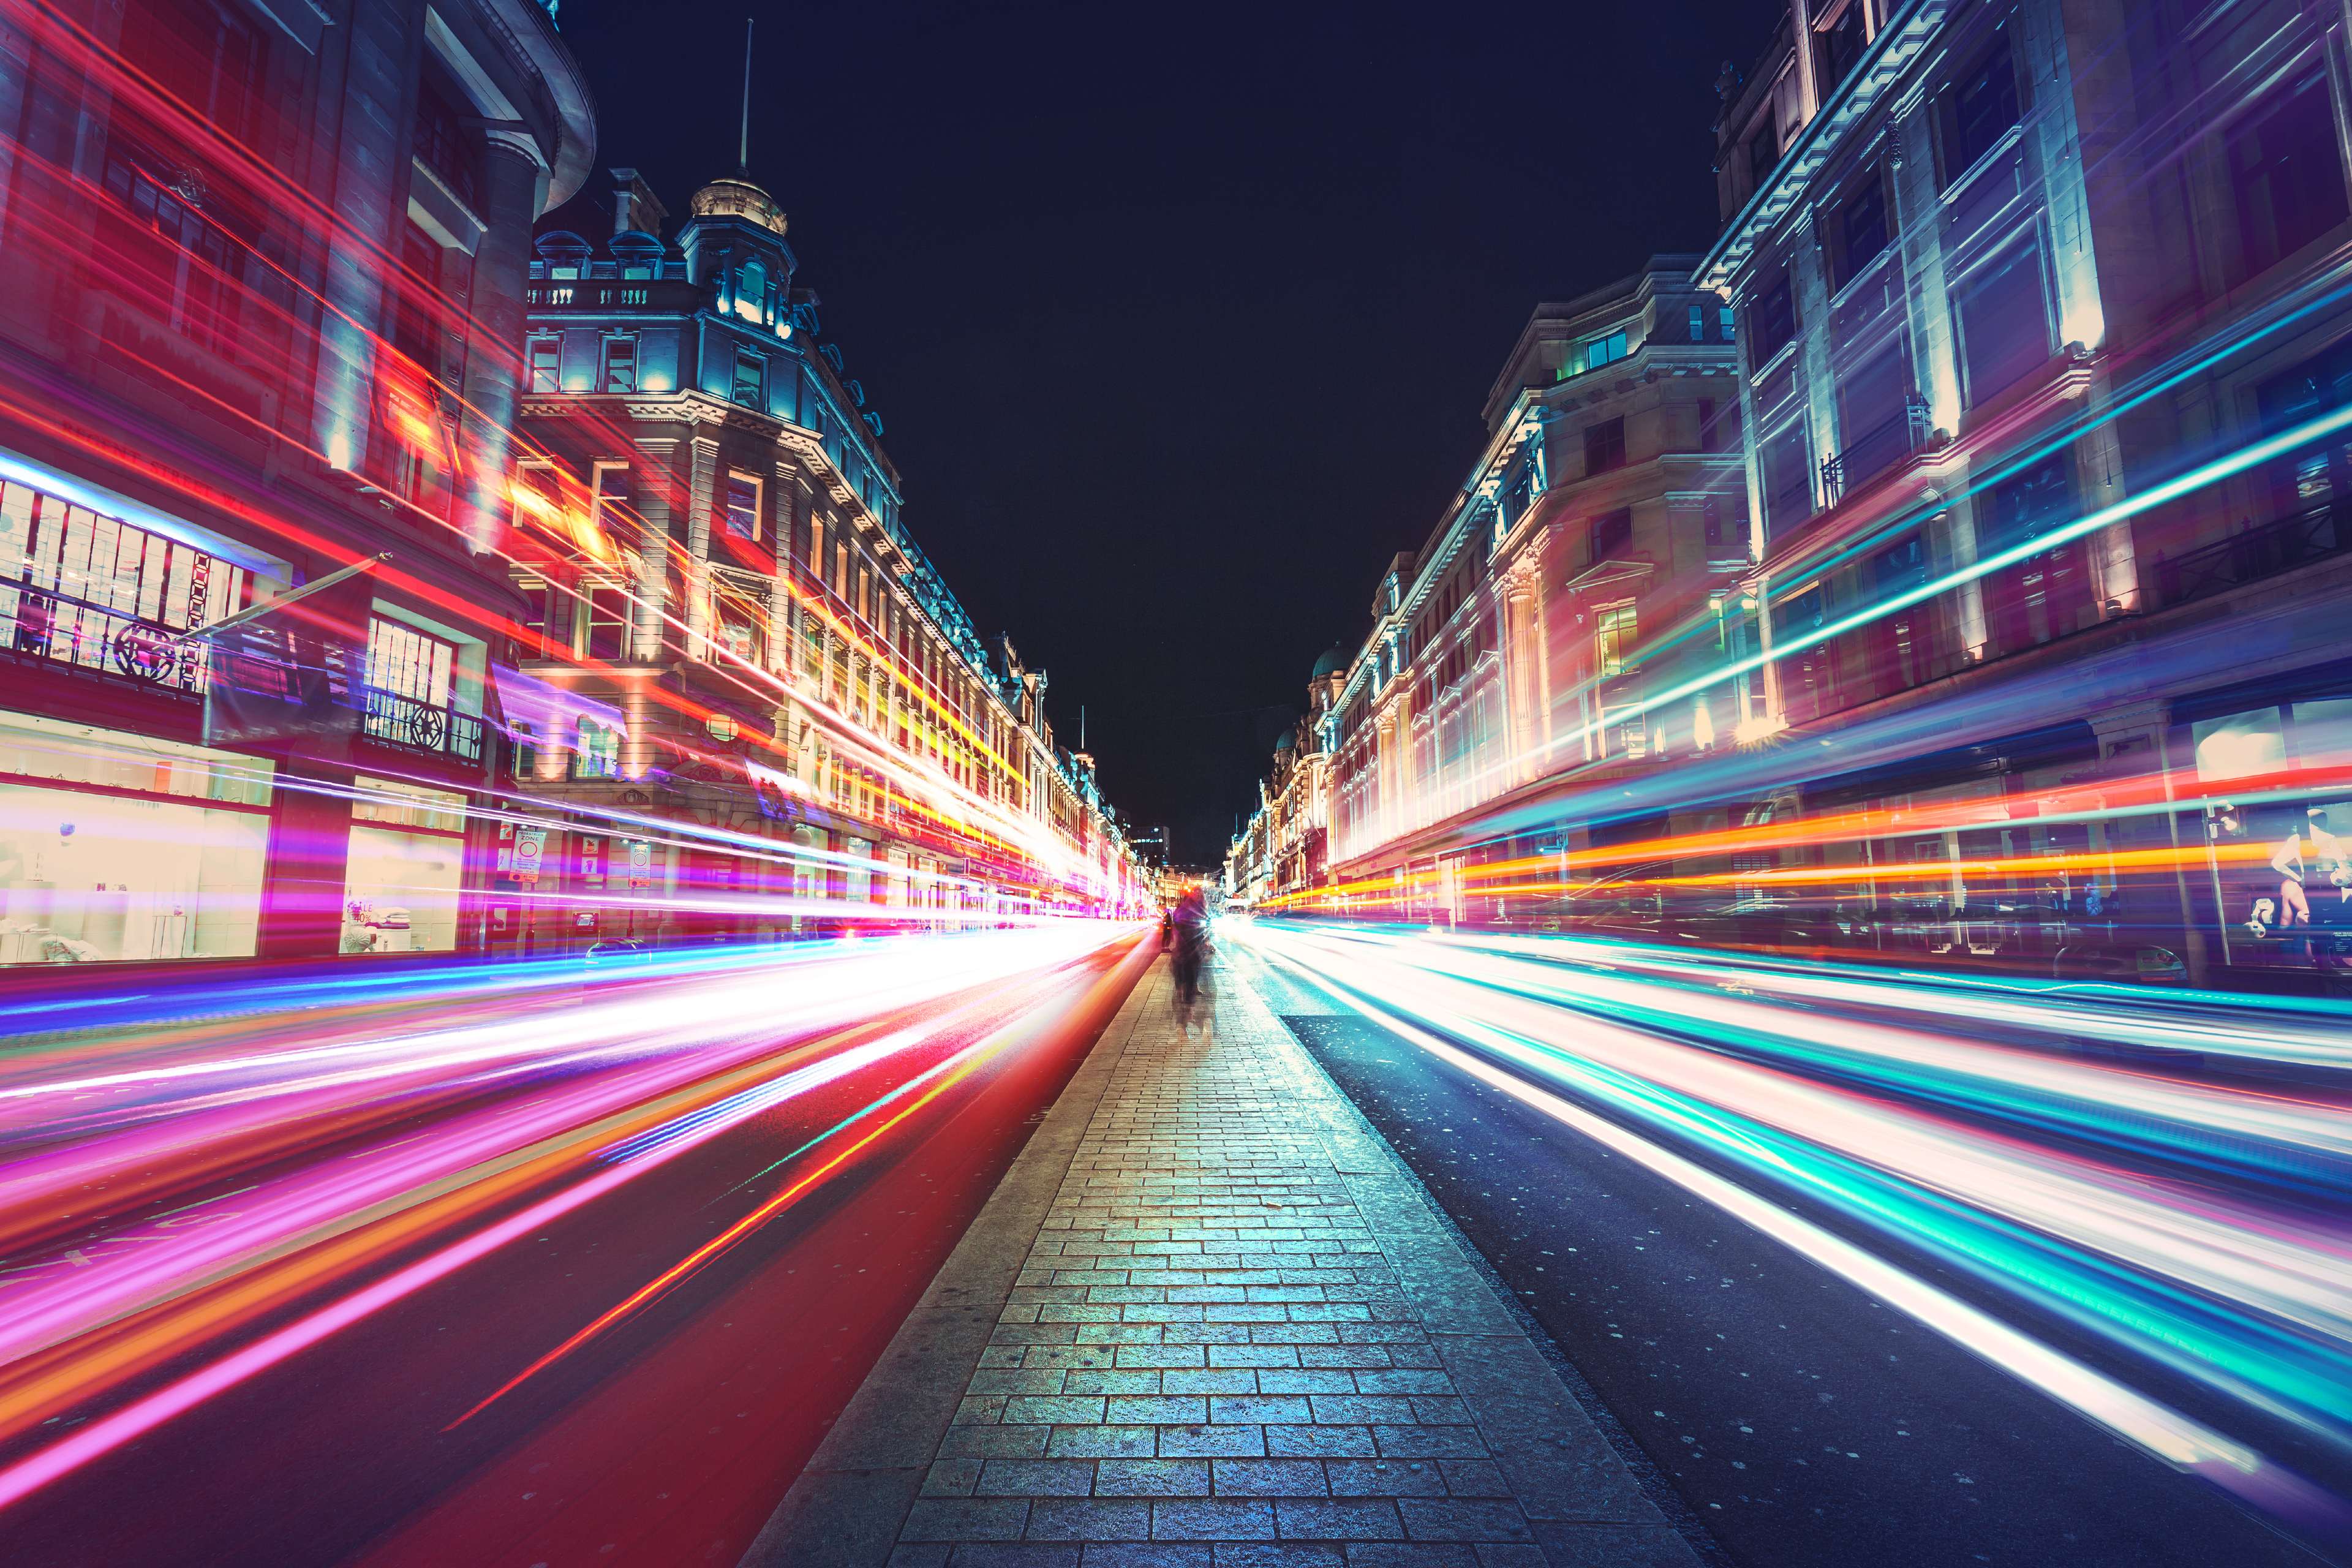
1210 1320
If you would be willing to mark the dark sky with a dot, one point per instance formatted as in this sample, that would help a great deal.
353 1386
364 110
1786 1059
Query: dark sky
1181 317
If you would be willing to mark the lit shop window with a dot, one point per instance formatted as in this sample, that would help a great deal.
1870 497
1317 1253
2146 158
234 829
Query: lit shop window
598 754
80 588
165 864
406 863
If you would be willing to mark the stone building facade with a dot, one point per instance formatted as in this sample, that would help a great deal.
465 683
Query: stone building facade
260 291
731 625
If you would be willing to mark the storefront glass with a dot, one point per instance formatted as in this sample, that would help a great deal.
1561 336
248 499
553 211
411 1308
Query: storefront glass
407 865
118 846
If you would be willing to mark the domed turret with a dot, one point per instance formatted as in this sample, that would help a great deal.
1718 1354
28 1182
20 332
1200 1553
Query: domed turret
1333 662
731 195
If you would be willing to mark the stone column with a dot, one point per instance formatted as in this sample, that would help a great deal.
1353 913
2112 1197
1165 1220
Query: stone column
702 483
514 178
652 562
371 161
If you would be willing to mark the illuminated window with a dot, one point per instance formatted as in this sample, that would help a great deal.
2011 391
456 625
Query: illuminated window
598 753
407 663
620 364
1604 351
740 506
545 352
1698 323
1614 642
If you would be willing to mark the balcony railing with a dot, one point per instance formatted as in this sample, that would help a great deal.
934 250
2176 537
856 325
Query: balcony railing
1877 450
60 629
2253 554
415 726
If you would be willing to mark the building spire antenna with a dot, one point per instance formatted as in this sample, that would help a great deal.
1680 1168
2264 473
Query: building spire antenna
743 145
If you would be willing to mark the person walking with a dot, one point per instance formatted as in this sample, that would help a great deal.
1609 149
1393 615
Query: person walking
1190 919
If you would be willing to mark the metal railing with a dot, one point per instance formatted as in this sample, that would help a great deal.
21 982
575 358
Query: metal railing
2253 554
415 726
1878 448
58 629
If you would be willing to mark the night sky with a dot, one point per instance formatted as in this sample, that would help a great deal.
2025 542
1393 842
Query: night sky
1179 317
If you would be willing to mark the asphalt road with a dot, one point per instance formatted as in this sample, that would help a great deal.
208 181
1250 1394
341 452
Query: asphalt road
667 1439
1797 1419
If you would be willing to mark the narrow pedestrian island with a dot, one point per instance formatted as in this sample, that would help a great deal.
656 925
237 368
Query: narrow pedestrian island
1208 1319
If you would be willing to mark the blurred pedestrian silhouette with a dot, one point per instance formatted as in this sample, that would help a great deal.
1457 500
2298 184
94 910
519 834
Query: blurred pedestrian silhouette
1191 920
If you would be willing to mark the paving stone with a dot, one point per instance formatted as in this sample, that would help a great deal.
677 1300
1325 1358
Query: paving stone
965 1519
1149 1554
1269 1478
951 1477
1099 1442
1289 1554
1153 1478
1385 1478
1036 1478
1093 1519
1212 1442
1457 1520
1320 1442
1338 1518
1240 1519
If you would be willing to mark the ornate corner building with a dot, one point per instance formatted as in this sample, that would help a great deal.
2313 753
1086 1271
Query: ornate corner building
729 625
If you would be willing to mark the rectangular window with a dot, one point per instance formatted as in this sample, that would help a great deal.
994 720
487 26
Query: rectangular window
1698 323
1719 426
1728 323
1612 535
751 379
545 350
2002 313
1857 231
2286 170
1604 445
598 753
1787 471
410 663
1978 111
1763 152
620 364
77 587
1613 644
1603 351
740 504
1711 516
614 504
608 623
1772 321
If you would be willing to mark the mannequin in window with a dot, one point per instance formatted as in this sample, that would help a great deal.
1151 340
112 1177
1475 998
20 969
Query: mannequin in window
2295 864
